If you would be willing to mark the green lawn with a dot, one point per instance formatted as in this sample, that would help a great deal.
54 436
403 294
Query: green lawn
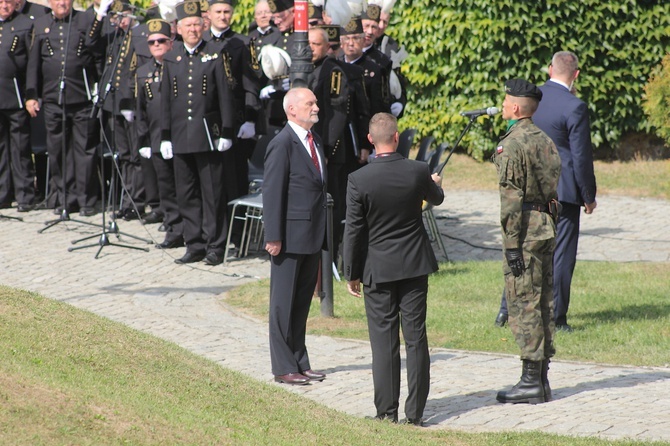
68 377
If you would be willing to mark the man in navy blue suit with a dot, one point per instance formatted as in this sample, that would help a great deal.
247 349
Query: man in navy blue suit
565 119
294 216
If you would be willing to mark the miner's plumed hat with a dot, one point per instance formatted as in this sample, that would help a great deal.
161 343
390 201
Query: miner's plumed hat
280 5
188 9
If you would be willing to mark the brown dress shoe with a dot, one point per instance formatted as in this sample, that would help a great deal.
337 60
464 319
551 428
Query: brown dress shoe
296 379
314 376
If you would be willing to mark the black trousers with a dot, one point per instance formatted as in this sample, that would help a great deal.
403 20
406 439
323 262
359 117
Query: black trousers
292 281
81 138
167 191
17 172
201 195
125 142
389 306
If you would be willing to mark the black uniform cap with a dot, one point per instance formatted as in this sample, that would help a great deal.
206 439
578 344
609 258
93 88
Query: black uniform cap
159 26
280 5
521 88
188 9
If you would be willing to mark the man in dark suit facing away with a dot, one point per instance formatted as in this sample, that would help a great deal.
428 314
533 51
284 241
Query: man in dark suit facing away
387 249
294 215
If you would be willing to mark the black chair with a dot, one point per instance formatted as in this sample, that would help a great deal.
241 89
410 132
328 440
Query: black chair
434 160
406 141
257 160
428 215
426 143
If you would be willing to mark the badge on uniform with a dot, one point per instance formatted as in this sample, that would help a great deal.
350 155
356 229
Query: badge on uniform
499 149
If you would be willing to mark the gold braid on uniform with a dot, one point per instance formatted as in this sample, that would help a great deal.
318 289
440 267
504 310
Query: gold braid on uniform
254 55
335 83
227 69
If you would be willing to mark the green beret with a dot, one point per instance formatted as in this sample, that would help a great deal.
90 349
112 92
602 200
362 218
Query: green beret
522 89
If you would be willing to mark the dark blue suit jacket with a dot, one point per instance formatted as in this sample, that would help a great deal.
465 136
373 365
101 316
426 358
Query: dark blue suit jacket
295 198
565 119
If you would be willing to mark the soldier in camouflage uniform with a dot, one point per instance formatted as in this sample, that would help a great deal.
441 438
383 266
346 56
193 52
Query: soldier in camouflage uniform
528 167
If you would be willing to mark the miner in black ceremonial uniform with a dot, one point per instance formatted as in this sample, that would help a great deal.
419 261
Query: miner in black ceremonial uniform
265 33
118 104
376 81
32 10
16 163
241 68
149 129
344 116
61 72
198 129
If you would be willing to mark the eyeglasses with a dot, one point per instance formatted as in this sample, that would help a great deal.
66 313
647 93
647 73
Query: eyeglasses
158 41
347 39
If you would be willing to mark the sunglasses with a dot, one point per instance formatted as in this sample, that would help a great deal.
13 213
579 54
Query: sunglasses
158 41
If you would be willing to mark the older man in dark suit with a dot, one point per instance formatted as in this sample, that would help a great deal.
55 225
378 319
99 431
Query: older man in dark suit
294 214
387 249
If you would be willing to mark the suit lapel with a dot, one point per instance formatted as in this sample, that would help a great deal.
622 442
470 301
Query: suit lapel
298 145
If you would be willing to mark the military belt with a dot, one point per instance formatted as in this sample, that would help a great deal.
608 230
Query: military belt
535 207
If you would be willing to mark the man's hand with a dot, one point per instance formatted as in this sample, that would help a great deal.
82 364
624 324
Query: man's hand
103 8
129 115
396 109
166 150
223 144
590 207
363 157
437 179
515 261
247 130
266 92
32 107
145 152
354 287
273 248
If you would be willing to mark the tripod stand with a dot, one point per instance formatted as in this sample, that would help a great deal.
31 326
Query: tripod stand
8 217
113 228
64 213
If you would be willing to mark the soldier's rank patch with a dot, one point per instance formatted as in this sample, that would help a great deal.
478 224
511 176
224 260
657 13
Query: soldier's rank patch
499 149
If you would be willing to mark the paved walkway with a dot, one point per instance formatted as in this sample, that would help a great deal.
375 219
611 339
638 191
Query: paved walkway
148 292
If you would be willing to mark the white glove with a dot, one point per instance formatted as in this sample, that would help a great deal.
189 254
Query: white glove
266 92
104 7
145 152
286 84
223 144
166 150
129 115
396 109
248 130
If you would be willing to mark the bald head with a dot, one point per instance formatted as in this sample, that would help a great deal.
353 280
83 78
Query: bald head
300 107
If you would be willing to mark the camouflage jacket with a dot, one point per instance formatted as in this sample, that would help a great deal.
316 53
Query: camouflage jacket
528 167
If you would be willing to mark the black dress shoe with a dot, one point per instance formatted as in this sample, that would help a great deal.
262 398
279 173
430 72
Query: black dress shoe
295 379
213 258
152 218
314 376
5 205
25 207
191 257
86 212
169 244
501 320
565 328
414 421
131 214
162 228
393 418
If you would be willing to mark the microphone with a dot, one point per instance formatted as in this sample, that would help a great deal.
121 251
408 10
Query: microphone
482 111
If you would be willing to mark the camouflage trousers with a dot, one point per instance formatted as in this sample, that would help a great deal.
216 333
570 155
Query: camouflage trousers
530 301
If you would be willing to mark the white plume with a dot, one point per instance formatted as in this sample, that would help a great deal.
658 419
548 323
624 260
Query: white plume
338 11
275 61
386 5
357 7
167 9
318 2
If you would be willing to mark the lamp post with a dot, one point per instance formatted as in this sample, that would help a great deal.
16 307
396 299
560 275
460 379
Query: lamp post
300 52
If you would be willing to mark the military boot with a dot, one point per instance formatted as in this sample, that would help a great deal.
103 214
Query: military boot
529 389
545 380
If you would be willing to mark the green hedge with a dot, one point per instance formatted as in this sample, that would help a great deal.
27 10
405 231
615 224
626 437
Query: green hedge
461 52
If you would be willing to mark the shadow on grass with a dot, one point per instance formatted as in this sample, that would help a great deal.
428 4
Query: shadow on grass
630 312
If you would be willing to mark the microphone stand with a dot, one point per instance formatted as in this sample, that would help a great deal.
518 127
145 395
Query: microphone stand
64 214
97 108
458 141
